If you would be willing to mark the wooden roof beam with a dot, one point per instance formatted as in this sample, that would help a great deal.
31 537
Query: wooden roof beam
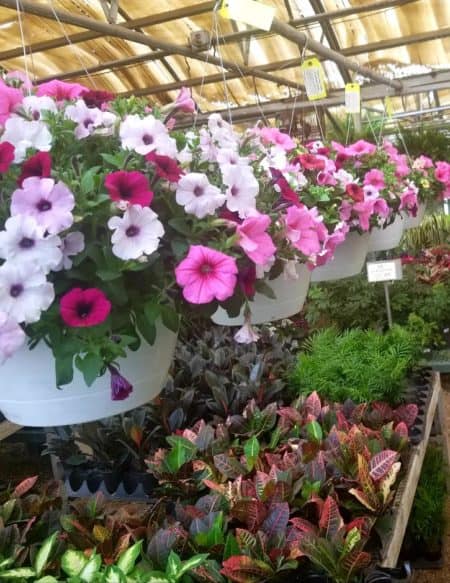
119 31
151 20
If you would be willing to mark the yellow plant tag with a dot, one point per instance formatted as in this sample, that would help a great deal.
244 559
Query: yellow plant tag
314 79
248 12
352 98
388 106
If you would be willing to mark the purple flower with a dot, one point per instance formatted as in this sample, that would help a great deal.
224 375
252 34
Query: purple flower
120 387
49 203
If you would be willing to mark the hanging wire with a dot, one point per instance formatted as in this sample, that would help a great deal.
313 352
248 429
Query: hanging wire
75 49
302 58
22 38
219 53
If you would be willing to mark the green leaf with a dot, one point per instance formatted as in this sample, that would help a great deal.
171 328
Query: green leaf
43 554
91 366
170 318
20 573
251 451
192 563
148 331
114 575
91 569
263 288
87 183
108 274
127 559
314 431
157 577
63 369
181 226
173 566
73 562
231 547
152 311
182 452
114 160
47 579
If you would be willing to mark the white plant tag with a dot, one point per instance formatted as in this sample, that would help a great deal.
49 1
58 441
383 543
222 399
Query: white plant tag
352 98
314 79
249 12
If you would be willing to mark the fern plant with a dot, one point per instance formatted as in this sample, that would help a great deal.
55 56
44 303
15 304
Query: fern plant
361 365
432 232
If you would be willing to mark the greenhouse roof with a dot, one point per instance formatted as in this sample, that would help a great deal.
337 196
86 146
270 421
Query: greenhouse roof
145 48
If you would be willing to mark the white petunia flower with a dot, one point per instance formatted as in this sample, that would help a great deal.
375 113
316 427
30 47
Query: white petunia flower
243 188
89 120
198 196
23 134
71 245
23 240
24 292
12 337
34 105
136 233
145 135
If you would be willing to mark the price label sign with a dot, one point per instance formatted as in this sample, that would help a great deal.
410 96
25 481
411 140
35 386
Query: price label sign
248 12
390 270
353 98
314 79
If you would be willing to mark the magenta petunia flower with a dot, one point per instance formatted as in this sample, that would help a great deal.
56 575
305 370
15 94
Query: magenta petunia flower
360 148
165 167
311 162
254 240
355 192
49 203
82 308
38 165
184 101
120 387
206 274
133 187
442 172
305 230
6 156
96 97
61 90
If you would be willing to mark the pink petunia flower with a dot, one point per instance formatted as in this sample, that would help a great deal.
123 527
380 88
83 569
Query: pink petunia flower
360 148
12 337
10 98
38 165
132 187
49 203
375 178
165 167
442 172
6 156
422 163
82 308
254 240
275 136
61 90
409 201
304 229
355 192
206 274
184 101
246 334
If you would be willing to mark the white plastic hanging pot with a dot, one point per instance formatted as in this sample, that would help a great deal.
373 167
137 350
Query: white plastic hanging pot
413 222
349 259
290 297
29 396
388 238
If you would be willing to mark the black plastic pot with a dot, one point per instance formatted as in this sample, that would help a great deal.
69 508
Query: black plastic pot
386 575
128 486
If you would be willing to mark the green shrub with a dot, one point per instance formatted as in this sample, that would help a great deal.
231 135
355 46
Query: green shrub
362 365
426 523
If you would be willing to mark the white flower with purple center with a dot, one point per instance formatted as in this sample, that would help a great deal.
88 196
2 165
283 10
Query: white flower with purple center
344 177
230 157
24 240
71 245
24 292
275 158
243 188
12 337
145 135
89 119
49 203
23 134
198 196
371 191
135 234
34 106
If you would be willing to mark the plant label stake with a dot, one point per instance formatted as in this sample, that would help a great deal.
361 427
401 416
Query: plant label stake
385 271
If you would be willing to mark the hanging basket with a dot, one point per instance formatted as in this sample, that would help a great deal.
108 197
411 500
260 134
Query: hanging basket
349 259
30 397
290 297
388 238
413 222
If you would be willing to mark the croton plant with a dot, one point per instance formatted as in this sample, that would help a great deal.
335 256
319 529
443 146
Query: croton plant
112 219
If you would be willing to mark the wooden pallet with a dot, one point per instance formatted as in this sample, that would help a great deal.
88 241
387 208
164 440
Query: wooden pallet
7 428
407 490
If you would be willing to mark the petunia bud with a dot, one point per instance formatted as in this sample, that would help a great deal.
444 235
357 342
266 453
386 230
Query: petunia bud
120 387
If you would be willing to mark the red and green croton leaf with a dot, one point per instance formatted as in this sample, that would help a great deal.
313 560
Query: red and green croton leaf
381 463
330 520
244 569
